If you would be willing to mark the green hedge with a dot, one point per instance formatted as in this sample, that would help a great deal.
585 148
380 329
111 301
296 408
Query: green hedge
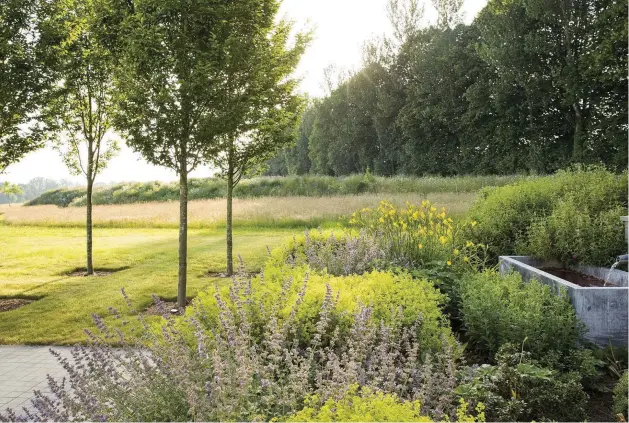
572 216
311 186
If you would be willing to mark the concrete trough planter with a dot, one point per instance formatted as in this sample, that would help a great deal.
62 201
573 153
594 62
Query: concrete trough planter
602 309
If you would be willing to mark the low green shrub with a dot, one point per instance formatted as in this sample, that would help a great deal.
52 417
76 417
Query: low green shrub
573 235
244 368
513 219
620 396
498 310
368 405
387 295
360 405
517 388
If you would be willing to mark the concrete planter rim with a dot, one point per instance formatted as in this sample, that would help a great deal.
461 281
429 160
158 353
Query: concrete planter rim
557 278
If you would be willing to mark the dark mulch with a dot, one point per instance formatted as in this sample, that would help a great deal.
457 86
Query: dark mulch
599 407
576 277
12 303
97 272
166 308
226 276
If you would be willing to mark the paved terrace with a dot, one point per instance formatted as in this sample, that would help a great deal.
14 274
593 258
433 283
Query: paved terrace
23 369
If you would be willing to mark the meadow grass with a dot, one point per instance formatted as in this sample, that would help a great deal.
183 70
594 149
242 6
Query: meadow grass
265 212
289 186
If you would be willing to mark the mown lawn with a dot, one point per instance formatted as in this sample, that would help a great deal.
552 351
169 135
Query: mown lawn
35 261
40 246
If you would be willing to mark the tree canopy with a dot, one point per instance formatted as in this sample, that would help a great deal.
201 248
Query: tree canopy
25 78
530 86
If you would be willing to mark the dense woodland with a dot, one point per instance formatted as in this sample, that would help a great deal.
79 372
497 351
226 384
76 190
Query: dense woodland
531 86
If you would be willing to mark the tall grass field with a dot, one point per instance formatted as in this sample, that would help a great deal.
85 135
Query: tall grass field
291 186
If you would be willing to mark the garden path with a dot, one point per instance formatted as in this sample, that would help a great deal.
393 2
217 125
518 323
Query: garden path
23 369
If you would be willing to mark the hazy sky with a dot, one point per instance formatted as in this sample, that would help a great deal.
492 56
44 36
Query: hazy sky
341 27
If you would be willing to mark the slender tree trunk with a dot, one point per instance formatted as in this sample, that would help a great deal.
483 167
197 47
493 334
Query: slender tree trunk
230 191
183 230
577 147
90 265
88 223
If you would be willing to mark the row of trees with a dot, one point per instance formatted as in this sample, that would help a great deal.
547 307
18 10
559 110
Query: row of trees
530 86
12 193
183 82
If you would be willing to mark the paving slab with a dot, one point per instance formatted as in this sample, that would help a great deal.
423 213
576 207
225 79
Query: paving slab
24 369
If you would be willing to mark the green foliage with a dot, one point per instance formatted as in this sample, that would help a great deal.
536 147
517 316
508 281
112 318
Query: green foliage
531 86
519 389
497 310
10 190
79 116
536 216
620 395
35 187
386 293
309 186
25 77
571 234
360 405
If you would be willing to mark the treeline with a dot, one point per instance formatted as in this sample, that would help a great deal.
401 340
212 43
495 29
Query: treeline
34 188
531 86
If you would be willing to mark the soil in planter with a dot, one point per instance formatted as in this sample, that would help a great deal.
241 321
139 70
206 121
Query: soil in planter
576 277
9 304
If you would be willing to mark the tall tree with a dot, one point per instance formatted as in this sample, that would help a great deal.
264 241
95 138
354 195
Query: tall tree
80 114
260 92
25 78
176 97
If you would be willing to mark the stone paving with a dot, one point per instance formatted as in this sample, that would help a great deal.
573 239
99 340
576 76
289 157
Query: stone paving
23 369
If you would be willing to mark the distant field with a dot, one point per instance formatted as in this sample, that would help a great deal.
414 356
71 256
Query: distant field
290 186
262 212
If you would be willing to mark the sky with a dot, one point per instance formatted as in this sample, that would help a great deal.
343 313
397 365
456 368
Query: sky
341 27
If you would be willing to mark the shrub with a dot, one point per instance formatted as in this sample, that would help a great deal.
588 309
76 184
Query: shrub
507 215
183 372
419 236
360 405
338 256
386 294
620 396
573 235
367 405
497 310
518 389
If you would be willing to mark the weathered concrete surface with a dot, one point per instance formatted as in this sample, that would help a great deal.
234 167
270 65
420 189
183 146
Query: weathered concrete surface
603 310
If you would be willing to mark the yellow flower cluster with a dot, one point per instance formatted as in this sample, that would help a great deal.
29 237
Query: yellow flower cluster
417 233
